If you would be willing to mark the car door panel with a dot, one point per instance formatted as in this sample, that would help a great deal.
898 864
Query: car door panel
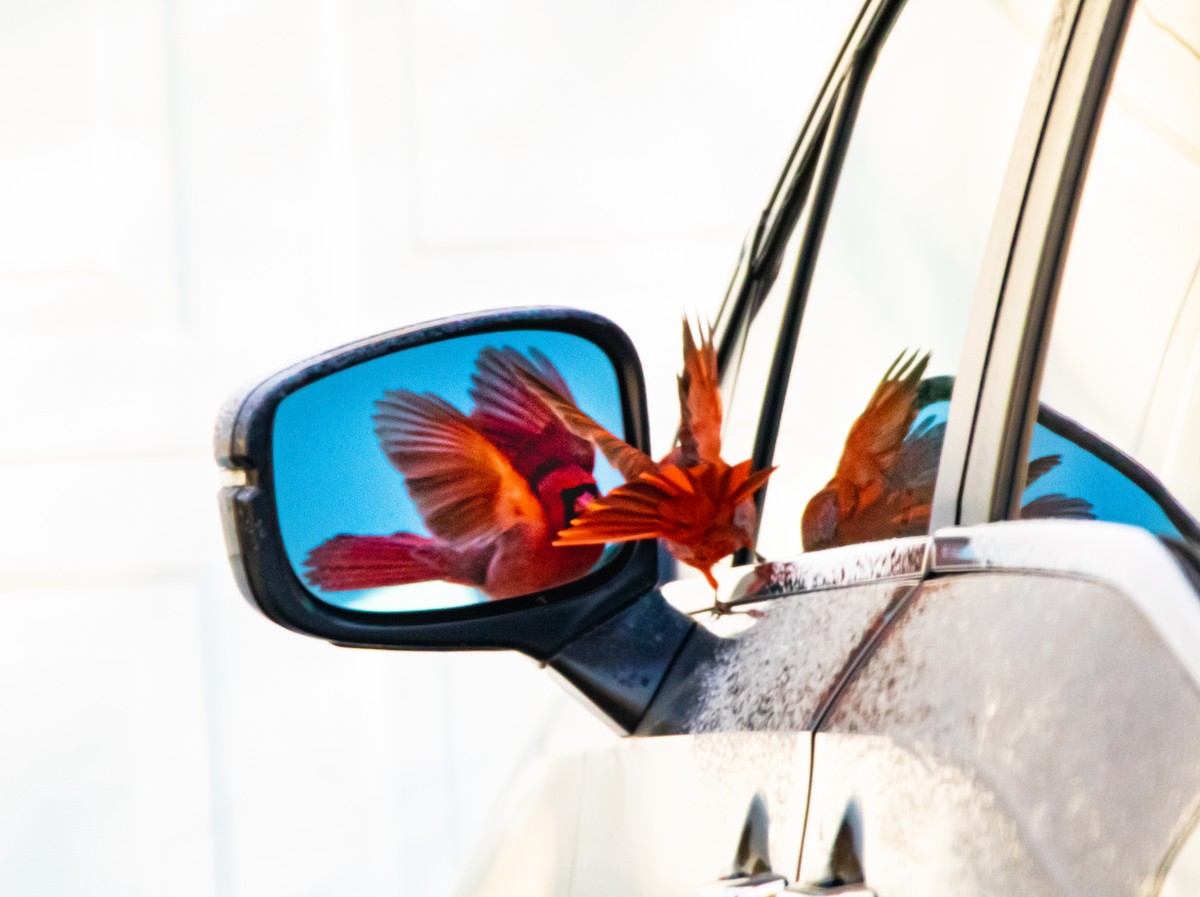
531 854
778 675
664 816
1031 726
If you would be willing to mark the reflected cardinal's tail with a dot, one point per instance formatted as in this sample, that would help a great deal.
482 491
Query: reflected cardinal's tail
370 562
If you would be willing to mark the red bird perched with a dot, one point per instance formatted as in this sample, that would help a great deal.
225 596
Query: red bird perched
883 485
700 506
493 488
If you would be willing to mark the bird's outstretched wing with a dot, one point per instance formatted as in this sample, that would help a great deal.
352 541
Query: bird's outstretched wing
699 400
915 465
1039 467
876 437
629 461
1054 504
679 504
516 419
462 485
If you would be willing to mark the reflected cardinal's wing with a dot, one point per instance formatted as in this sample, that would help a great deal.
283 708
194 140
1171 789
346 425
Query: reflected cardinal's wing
699 400
620 454
1056 504
916 463
1039 467
876 437
673 503
517 420
463 487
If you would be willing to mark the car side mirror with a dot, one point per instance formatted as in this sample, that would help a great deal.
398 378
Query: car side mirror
406 491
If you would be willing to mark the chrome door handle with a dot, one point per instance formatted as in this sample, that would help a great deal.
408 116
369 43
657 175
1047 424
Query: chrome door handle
764 884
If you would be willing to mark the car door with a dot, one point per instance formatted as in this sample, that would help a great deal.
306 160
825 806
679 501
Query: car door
1030 722
898 199
714 789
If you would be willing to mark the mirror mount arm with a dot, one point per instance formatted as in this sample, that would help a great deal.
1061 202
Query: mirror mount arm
620 664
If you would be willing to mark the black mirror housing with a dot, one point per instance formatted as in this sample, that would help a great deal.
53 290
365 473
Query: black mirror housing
538 624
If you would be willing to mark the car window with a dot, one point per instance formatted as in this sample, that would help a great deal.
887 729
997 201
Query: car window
754 350
754 353
1123 361
892 288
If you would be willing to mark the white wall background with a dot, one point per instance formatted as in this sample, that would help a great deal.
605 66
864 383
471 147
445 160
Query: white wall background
195 192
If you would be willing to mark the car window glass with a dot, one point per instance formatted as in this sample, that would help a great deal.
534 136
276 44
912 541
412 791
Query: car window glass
727 312
896 273
753 361
756 350
1123 363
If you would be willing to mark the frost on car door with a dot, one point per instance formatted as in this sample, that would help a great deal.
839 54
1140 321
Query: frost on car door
1021 732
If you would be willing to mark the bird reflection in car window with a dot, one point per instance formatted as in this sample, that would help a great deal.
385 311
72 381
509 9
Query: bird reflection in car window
883 485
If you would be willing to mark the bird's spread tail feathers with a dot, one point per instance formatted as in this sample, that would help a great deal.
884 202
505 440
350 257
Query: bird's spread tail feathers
674 503
348 562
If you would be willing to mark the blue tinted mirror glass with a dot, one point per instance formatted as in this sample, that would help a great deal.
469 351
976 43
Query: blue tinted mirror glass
434 477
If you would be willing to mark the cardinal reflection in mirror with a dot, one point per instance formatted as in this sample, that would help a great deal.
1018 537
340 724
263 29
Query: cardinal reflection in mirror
493 488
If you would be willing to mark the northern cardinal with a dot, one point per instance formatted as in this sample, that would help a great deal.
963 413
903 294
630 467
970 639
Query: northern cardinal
883 485
700 506
493 488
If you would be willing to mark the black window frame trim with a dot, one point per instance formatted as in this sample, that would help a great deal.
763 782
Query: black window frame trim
816 173
770 233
